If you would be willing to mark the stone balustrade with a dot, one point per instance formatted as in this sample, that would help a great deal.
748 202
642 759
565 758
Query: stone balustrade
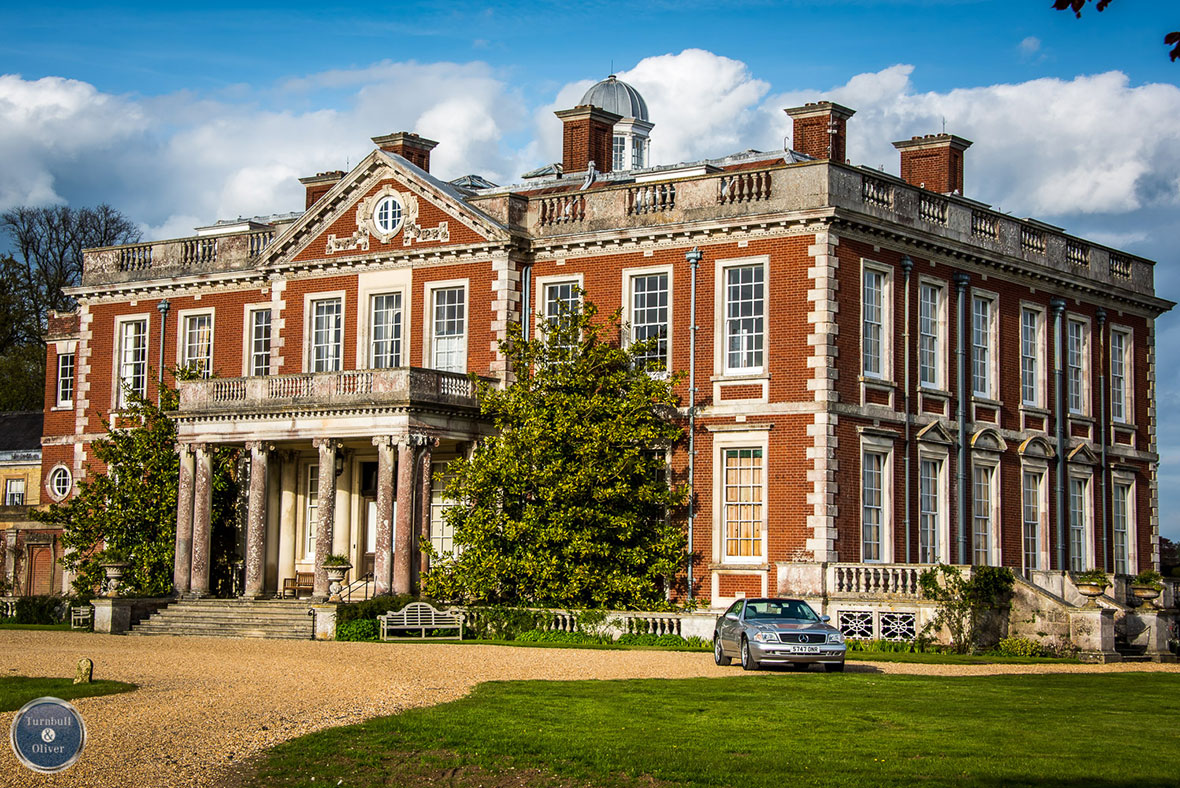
177 257
358 387
899 580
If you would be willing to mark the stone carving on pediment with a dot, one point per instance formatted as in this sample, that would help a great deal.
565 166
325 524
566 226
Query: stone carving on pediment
357 241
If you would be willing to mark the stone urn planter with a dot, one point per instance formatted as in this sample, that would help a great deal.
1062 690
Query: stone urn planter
114 572
1091 591
1145 594
336 573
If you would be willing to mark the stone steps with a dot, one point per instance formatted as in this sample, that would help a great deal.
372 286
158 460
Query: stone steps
230 618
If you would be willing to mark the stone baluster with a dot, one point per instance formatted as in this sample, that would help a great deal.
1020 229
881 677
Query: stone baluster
326 509
183 563
202 511
256 519
383 557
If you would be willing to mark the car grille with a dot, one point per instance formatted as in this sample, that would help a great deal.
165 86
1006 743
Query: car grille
802 637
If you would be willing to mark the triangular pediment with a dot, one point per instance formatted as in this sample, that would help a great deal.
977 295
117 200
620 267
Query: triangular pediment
1083 455
1037 447
988 439
344 223
934 432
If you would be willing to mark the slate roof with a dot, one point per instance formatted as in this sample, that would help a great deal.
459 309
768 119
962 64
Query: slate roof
21 430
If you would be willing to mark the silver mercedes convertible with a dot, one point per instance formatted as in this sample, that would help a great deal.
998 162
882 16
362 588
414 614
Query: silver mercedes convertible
777 631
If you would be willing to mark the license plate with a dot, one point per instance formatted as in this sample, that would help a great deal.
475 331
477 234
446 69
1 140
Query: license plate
803 649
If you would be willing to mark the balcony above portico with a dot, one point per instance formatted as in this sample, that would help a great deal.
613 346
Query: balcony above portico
350 403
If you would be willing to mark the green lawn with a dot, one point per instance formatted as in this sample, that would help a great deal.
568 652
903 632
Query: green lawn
764 731
49 627
16 691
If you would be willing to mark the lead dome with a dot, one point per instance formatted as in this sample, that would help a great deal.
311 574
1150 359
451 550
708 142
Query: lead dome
618 97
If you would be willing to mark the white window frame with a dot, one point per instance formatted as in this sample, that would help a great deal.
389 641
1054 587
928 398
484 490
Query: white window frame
310 510
721 318
941 456
369 328
1039 358
51 486
990 465
618 148
248 311
1128 376
729 441
10 491
71 352
1122 479
1086 478
309 303
628 291
541 319
883 447
1082 408
428 337
991 366
183 317
118 400
442 534
1041 532
885 360
940 336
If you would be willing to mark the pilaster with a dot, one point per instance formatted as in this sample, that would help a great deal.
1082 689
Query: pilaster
823 334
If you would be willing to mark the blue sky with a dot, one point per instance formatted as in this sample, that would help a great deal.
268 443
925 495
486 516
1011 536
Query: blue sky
180 114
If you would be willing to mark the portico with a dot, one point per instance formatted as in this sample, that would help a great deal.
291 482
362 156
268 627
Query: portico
339 463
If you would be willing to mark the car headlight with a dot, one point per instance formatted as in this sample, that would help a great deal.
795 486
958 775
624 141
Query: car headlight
835 637
766 637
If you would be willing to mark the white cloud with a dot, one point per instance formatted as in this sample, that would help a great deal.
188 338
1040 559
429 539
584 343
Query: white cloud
1030 46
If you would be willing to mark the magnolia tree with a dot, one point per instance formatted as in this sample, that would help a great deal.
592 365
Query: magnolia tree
125 507
569 503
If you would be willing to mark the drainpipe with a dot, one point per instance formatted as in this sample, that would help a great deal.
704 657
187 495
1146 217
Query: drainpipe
907 265
163 306
694 259
961 282
1101 315
1058 307
526 272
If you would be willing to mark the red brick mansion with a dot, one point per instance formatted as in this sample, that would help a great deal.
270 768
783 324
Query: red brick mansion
880 372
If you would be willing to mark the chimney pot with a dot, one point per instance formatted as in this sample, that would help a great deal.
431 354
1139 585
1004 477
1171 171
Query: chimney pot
409 146
320 184
820 129
934 162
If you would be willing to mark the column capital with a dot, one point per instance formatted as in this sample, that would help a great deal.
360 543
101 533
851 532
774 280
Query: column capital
384 440
331 444
418 440
199 447
261 446
184 448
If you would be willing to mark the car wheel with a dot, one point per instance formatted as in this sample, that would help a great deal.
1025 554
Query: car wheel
719 653
748 661
834 667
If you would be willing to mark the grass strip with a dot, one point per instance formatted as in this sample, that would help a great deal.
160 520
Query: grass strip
39 627
764 731
16 691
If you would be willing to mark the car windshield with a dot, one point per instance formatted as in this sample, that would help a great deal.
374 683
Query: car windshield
780 608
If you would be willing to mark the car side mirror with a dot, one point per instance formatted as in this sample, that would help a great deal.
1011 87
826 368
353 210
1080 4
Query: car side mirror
731 616
825 619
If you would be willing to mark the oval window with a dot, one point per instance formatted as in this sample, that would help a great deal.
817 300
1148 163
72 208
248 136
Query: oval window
60 482
387 215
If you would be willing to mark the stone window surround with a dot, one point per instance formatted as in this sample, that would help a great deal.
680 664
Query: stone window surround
1040 467
879 444
541 285
65 348
1087 349
746 439
1042 354
720 310
1086 474
51 488
940 454
942 335
309 301
886 271
182 318
1128 333
990 461
364 343
993 339
428 318
1126 479
248 334
628 276
117 367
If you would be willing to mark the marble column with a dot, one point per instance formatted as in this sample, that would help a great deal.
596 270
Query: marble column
273 488
383 556
326 509
403 535
202 511
288 479
183 563
424 491
256 520
341 529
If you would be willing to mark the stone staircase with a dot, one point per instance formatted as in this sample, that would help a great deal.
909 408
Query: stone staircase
235 618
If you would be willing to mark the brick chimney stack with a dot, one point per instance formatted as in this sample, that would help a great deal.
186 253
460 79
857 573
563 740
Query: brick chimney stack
934 162
410 147
820 130
320 184
587 136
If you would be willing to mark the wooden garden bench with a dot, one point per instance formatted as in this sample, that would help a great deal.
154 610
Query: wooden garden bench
302 581
422 617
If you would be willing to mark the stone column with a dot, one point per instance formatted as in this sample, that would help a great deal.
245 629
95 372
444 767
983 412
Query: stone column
424 490
383 557
326 506
404 534
183 563
271 571
288 479
340 530
202 510
256 520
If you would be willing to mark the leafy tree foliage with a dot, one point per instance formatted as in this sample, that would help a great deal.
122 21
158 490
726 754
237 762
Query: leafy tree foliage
569 503
964 600
1171 39
126 504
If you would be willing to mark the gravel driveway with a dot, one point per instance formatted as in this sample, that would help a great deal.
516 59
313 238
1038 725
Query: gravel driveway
204 704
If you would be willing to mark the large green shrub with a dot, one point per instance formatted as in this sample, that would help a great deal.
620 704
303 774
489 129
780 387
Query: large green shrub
555 636
1020 647
965 599
377 606
358 629
41 610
